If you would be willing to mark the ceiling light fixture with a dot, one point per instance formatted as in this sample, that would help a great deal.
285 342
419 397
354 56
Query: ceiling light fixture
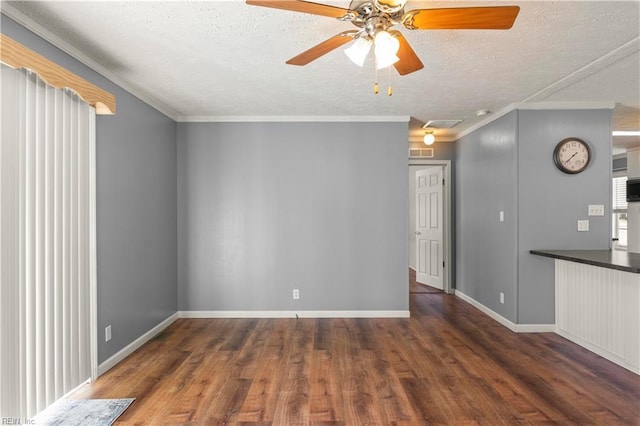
482 112
428 139
625 133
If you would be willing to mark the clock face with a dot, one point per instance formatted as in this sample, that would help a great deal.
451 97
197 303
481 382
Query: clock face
572 155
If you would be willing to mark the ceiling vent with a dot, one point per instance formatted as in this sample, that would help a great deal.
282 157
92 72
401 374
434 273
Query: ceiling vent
442 124
420 152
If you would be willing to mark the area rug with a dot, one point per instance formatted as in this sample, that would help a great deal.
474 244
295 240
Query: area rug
81 412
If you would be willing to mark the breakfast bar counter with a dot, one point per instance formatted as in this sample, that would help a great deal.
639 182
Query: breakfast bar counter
612 259
597 302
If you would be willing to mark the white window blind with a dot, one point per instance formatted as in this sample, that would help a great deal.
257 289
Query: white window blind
619 194
47 258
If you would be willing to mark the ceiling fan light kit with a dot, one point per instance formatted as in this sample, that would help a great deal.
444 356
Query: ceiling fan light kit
375 18
386 49
358 51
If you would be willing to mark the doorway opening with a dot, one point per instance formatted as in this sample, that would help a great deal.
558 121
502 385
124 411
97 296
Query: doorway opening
429 236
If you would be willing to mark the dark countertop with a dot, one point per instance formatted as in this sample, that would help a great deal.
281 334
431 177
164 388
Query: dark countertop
612 259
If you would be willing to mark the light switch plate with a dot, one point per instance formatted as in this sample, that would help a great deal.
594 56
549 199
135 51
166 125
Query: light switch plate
583 226
596 210
501 216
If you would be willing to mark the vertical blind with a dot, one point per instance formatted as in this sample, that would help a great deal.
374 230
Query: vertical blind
619 194
47 253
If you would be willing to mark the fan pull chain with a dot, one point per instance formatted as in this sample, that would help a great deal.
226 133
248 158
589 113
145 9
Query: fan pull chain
389 90
375 72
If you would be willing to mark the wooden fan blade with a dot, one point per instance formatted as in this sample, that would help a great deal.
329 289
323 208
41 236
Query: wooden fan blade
302 6
323 48
409 61
462 18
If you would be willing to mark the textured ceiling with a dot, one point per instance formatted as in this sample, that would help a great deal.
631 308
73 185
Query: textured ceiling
226 59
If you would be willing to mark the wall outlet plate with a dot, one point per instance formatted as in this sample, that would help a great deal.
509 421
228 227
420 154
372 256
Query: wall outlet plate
296 294
583 225
596 210
107 333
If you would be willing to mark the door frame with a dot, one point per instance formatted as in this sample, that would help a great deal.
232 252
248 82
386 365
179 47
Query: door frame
446 218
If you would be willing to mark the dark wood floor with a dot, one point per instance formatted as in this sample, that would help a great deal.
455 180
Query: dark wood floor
448 364
417 288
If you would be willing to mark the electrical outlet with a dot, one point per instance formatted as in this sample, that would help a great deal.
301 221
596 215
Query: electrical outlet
596 210
107 333
502 298
296 294
583 225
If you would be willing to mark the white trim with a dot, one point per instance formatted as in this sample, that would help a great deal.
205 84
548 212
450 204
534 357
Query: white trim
293 314
133 346
597 350
494 315
292 118
61 44
93 253
535 328
517 328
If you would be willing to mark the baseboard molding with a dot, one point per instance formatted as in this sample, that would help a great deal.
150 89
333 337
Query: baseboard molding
130 348
535 328
598 350
517 328
293 314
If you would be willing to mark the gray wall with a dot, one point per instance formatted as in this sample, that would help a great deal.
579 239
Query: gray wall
507 165
550 202
486 183
268 207
136 207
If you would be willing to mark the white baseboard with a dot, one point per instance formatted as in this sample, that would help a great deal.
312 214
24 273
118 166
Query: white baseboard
535 328
130 348
598 350
517 328
293 314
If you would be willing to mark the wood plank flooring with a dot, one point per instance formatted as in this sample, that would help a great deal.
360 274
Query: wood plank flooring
448 364
415 287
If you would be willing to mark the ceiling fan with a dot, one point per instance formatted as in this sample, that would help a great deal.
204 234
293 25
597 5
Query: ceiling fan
374 18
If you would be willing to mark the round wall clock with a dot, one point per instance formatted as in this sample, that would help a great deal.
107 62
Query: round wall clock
572 155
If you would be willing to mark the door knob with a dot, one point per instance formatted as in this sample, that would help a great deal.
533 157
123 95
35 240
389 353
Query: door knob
418 233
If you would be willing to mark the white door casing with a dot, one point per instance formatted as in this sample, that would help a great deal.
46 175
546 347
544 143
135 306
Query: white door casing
429 227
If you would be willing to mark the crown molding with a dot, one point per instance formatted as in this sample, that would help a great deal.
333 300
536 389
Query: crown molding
36 28
291 119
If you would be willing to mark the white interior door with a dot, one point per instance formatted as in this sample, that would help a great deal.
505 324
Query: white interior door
429 228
